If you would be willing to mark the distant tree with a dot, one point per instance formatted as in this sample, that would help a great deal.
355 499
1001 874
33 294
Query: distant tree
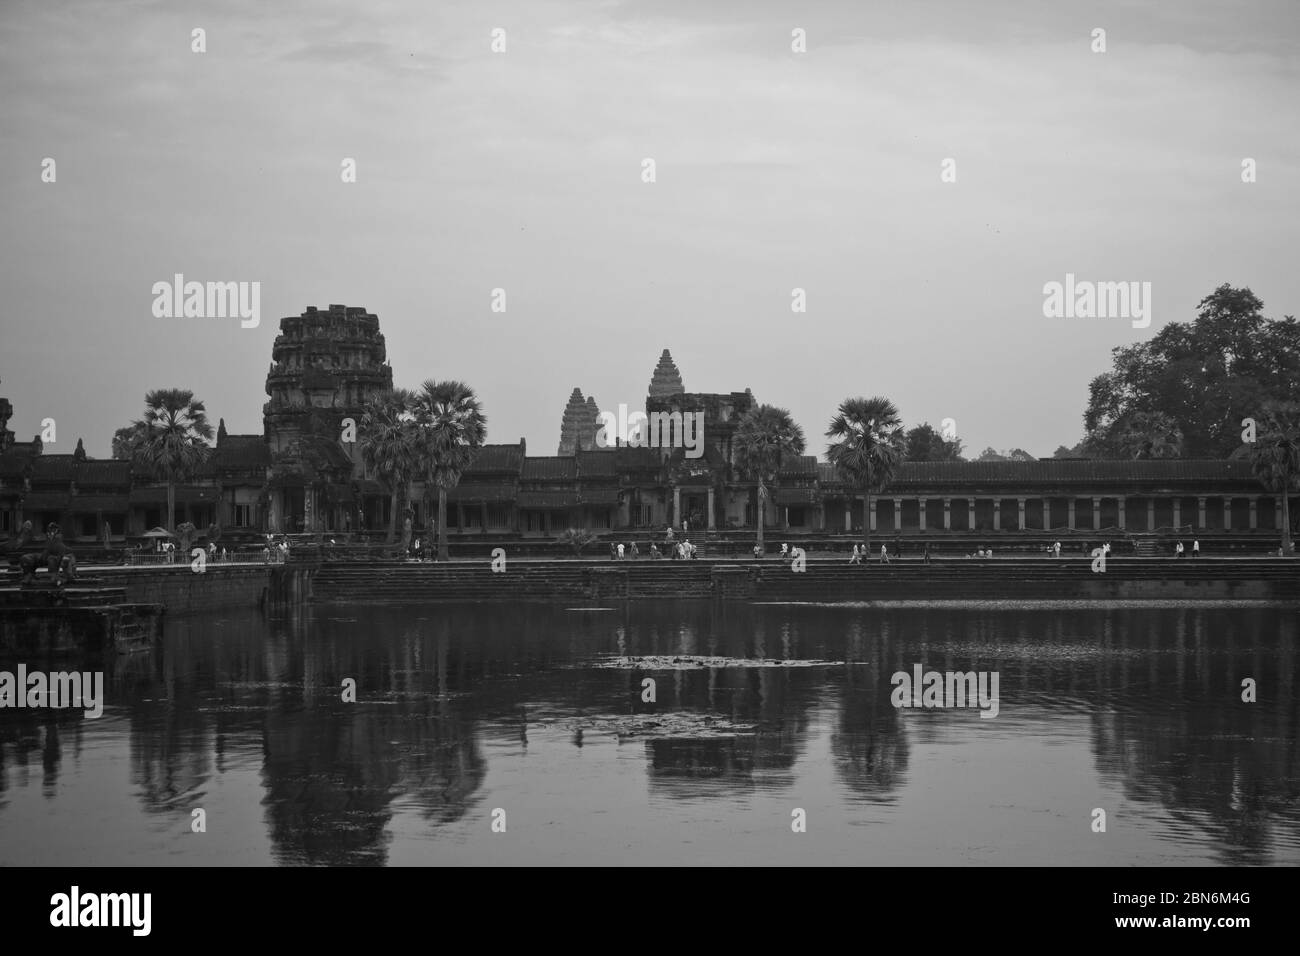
451 429
867 447
173 445
924 443
766 439
1149 435
127 440
1275 457
1204 376
1019 454
79 453
991 454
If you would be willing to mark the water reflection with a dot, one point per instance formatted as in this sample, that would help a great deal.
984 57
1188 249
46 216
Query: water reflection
459 709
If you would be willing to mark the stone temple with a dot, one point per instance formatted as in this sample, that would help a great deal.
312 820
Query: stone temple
299 475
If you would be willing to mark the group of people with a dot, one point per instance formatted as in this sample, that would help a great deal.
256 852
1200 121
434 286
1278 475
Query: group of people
1181 552
859 554
677 550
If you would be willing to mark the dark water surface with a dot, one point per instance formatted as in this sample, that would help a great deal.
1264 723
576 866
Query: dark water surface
536 711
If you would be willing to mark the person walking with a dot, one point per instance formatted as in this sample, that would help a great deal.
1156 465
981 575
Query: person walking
925 552
620 551
856 557
884 553
1057 548
758 553
635 553
1196 548
1178 550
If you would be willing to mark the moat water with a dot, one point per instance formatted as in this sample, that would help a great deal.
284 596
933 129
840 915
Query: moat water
521 735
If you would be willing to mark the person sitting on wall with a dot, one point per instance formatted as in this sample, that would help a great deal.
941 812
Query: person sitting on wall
57 558
1178 550
668 536
654 551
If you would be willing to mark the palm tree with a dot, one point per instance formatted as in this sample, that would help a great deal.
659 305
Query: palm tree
868 445
766 438
451 429
388 444
173 438
1275 457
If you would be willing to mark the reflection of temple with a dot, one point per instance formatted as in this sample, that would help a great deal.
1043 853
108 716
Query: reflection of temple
302 472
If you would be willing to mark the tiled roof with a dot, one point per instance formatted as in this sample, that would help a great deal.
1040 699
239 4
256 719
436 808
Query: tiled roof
497 459
638 459
54 468
472 492
90 472
550 468
599 496
598 463
805 465
241 451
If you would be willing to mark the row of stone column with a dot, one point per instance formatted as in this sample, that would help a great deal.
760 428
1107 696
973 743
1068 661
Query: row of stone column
1071 503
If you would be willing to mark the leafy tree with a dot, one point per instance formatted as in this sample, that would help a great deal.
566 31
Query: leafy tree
127 441
924 443
766 439
868 446
1275 457
1204 376
451 428
991 454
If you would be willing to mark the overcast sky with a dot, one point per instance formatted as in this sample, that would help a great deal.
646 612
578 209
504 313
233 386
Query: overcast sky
522 170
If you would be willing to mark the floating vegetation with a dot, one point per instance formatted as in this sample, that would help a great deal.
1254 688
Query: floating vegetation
683 662
682 725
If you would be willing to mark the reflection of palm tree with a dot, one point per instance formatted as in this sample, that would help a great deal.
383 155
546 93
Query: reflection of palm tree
869 746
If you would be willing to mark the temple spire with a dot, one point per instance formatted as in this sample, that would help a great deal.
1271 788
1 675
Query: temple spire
666 380
578 427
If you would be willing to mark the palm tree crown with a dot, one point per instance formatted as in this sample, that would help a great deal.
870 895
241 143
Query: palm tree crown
388 443
1275 457
766 439
867 445
451 428
172 439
